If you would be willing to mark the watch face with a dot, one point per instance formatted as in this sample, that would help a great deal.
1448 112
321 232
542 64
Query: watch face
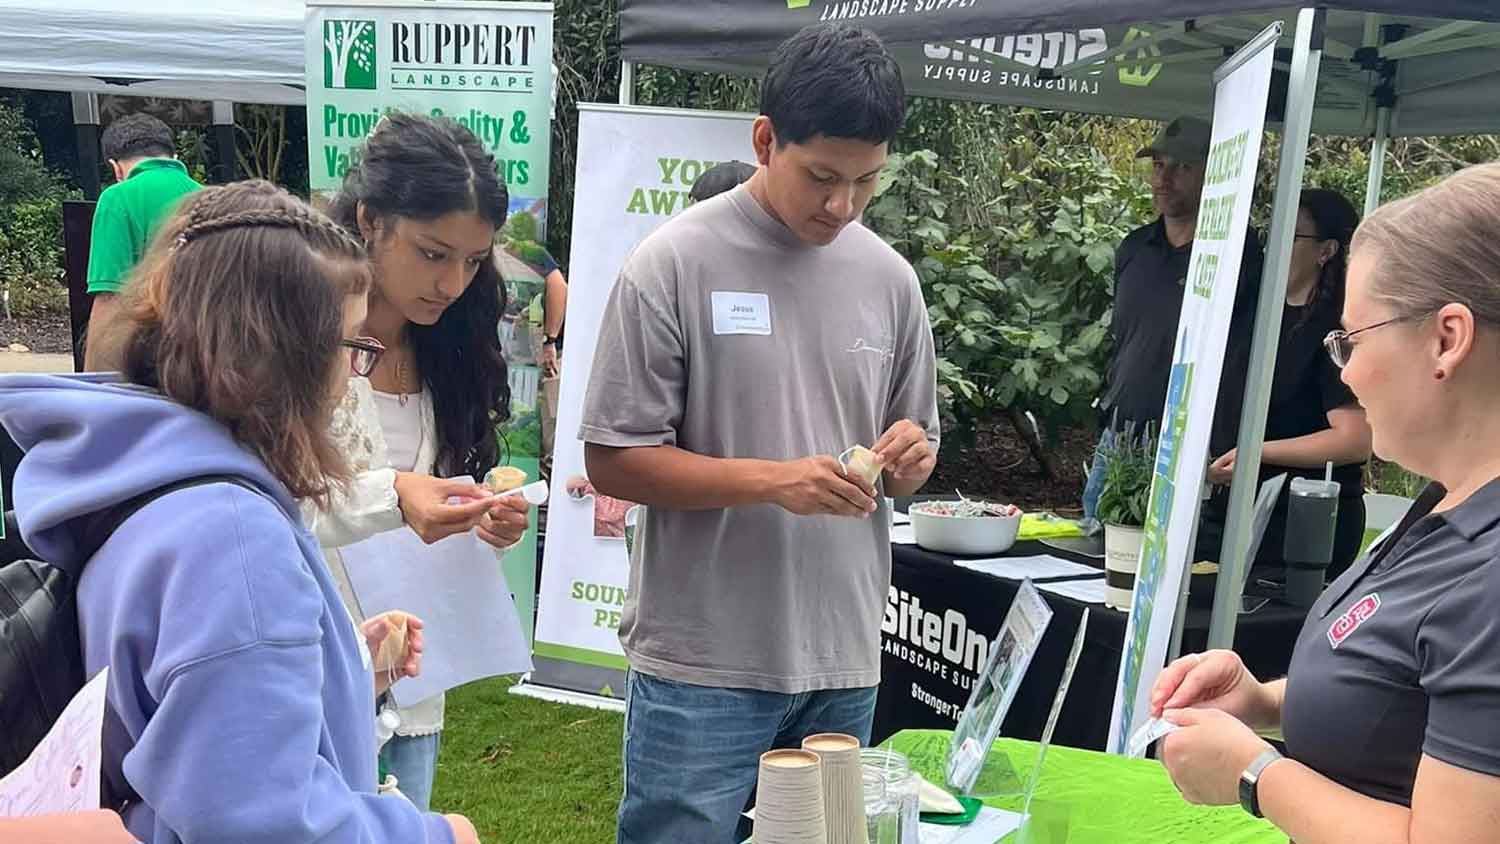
1247 794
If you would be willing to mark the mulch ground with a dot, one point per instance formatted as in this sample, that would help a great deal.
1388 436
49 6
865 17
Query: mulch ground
43 334
999 467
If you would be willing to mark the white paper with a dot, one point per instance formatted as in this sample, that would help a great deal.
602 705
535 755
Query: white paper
1036 568
995 689
470 629
62 773
1087 591
903 535
1149 732
990 826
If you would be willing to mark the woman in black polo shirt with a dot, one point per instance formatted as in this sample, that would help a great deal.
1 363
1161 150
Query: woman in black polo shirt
1391 709
1313 418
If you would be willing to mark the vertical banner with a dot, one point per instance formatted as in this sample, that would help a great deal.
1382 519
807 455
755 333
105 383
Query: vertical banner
635 167
1242 89
487 65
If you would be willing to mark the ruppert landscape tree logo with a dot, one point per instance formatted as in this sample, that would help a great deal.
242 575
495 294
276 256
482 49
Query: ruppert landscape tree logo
349 54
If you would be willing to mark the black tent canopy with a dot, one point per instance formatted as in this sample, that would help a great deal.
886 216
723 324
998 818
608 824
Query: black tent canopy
1436 64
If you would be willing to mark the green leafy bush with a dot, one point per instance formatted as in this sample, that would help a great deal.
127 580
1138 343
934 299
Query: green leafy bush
1019 305
30 221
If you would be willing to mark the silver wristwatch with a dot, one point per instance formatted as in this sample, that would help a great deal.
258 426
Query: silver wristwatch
1250 781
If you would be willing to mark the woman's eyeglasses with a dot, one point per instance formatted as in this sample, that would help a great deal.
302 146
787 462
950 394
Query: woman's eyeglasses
364 354
1338 342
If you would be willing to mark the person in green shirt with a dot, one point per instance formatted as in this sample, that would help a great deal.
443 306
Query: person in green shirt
149 182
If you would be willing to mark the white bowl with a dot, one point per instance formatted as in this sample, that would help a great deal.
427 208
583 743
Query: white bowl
968 535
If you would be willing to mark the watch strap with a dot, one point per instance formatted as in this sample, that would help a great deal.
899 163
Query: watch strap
1250 780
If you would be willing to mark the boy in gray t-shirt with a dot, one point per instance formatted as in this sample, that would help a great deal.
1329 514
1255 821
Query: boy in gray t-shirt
746 342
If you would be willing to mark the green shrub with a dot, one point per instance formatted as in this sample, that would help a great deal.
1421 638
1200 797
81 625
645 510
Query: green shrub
30 222
1019 303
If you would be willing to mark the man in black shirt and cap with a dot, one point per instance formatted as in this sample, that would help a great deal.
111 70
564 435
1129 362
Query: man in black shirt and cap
1151 268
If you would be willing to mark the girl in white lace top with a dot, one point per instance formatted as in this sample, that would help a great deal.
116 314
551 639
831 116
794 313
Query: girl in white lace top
426 199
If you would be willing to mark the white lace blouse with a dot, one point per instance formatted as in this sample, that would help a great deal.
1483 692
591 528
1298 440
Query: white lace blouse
369 506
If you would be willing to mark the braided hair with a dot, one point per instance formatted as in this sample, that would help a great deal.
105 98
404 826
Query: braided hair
238 312
422 168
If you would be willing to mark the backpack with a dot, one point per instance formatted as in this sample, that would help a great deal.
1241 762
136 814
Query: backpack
41 652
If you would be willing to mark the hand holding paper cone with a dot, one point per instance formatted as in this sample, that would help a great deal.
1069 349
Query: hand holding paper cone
504 479
864 463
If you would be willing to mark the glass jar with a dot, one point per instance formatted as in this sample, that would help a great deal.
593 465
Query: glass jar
892 801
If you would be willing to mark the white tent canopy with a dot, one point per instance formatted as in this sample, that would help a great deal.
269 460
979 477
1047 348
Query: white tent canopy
248 51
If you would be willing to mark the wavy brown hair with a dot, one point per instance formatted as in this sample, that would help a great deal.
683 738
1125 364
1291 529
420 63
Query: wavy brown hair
237 312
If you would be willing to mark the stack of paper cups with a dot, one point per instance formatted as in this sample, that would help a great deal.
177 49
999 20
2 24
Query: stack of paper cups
789 799
843 787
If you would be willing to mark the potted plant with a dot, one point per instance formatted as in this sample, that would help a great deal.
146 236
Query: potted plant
1129 462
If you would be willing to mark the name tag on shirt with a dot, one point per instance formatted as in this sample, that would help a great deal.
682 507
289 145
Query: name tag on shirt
741 313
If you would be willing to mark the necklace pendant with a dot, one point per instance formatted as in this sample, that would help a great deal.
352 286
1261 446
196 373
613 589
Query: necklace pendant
401 399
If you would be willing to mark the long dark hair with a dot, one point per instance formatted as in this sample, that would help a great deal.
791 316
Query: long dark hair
422 168
1334 218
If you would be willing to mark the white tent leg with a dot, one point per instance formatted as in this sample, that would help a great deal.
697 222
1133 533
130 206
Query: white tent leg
1302 88
1378 149
627 83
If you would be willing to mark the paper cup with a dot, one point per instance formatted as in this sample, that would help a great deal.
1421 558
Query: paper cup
789 799
843 787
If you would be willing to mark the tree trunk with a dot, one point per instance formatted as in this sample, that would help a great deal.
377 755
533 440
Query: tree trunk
1022 426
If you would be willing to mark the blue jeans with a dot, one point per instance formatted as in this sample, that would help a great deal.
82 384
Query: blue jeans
413 761
1095 483
692 752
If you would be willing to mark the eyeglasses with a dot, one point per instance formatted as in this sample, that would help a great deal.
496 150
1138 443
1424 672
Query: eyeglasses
364 354
1300 236
1338 344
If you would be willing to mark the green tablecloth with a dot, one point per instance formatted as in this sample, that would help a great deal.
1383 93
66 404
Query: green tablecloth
1104 799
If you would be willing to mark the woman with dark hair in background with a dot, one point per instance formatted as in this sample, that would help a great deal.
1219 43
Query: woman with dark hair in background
426 200
1313 418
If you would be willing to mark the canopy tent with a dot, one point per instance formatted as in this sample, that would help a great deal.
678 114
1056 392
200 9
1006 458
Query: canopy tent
1354 67
247 51
1138 58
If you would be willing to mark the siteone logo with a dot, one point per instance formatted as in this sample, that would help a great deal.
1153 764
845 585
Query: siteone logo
948 635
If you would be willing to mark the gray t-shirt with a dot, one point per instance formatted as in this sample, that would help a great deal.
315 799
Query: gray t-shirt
728 337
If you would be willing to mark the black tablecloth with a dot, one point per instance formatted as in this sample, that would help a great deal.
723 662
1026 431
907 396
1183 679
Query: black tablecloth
923 689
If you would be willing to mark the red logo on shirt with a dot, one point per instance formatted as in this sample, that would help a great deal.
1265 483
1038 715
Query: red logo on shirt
1345 625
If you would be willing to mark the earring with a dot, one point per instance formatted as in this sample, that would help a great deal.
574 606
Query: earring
1440 374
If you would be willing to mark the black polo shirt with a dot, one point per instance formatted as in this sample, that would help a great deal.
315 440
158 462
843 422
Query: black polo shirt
1150 276
1401 656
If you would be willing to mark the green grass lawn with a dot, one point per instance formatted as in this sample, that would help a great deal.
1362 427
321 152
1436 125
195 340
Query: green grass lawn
526 770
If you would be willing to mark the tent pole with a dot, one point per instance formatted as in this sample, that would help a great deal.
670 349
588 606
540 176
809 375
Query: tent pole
224 162
1377 159
627 83
86 137
1302 88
